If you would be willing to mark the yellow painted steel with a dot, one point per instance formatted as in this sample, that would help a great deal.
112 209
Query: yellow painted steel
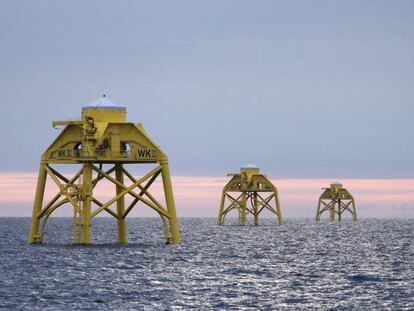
120 205
336 200
101 138
244 193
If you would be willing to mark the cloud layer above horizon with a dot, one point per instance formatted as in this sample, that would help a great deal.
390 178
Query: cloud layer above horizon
200 196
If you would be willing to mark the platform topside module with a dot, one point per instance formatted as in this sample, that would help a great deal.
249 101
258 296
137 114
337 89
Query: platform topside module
101 138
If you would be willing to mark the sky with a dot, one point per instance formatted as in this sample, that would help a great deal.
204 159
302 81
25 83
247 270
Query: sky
307 90
199 196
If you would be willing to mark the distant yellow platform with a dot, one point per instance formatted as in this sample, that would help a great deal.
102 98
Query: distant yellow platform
336 200
249 192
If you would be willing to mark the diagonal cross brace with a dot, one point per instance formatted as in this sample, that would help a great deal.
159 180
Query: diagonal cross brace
265 203
143 191
233 203
57 196
70 182
129 190
61 187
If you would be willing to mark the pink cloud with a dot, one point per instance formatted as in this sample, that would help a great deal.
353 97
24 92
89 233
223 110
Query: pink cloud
199 196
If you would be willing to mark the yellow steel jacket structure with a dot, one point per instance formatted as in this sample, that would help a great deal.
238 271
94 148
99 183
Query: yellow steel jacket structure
103 143
244 193
336 200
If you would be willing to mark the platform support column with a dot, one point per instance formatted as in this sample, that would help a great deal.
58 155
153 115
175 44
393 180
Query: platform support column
243 210
220 216
86 203
120 205
278 209
340 210
354 214
332 211
255 209
169 198
37 206
318 210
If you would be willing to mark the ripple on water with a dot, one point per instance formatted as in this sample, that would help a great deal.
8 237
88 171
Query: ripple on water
300 265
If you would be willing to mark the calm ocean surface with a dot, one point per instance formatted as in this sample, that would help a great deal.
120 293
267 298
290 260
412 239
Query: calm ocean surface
300 265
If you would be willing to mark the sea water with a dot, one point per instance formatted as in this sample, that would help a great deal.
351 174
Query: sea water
302 264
